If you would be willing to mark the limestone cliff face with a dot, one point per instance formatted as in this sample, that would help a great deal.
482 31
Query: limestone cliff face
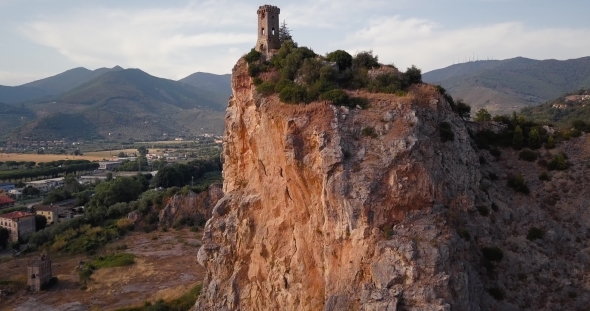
329 208
193 207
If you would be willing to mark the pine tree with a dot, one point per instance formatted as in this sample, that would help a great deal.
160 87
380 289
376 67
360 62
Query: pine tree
517 139
550 143
284 33
534 139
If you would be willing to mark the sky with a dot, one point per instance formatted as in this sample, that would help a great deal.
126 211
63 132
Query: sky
175 38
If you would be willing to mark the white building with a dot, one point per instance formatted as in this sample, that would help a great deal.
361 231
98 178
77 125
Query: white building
47 184
108 165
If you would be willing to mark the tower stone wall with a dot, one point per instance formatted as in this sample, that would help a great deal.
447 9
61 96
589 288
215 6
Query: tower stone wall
268 29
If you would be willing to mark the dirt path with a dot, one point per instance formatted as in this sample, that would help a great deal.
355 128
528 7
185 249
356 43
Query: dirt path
165 267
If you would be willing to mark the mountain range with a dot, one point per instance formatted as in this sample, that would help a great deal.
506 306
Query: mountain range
114 103
509 85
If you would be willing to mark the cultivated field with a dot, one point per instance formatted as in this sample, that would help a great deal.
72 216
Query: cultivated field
91 156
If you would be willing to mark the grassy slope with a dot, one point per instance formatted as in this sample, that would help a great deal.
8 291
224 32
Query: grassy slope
569 111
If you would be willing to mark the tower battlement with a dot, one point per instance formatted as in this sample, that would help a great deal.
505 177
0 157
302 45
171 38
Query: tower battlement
268 29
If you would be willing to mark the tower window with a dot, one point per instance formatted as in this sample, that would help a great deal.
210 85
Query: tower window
273 31
262 31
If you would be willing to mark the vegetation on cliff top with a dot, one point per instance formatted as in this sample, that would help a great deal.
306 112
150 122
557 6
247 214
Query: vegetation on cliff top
299 75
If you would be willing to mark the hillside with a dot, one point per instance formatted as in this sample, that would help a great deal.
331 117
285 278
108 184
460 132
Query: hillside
509 85
563 110
126 104
53 85
13 116
218 84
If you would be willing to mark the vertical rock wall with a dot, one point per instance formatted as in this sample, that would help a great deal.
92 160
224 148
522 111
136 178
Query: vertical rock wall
327 208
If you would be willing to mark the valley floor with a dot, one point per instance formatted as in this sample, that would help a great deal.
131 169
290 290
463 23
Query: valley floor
165 267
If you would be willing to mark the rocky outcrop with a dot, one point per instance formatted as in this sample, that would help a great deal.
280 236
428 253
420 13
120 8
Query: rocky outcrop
329 208
337 209
191 207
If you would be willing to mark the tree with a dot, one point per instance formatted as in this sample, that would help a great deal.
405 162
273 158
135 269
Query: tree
284 33
463 109
122 154
168 176
517 138
40 222
109 176
482 115
122 189
365 59
413 75
142 151
534 139
77 152
341 58
29 190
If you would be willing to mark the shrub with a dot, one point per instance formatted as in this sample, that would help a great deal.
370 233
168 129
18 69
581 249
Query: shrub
495 152
412 75
125 224
365 59
257 81
337 97
518 183
558 162
534 139
535 233
494 207
386 83
483 210
517 138
113 260
293 94
544 176
464 234
369 131
284 83
496 293
528 155
266 88
463 109
482 115
550 143
446 132
359 101
252 56
492 253
342 59
579 125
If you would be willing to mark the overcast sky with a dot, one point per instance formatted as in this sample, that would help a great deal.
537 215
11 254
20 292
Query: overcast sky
175 38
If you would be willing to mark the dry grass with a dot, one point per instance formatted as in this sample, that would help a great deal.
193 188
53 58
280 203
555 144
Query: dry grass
45 157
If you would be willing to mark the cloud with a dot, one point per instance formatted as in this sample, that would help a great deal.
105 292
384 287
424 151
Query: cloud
430 46
165 42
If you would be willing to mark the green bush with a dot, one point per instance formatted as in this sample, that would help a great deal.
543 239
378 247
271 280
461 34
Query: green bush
463 109
369 131
337 97
579 125
253 56
266 88
559 162
446 132
388 82
528 155
550 143
257 81
366 60
293 94
341 58
517 139
534 139
284 83
413 75
492 253
535 233
518 183
359 101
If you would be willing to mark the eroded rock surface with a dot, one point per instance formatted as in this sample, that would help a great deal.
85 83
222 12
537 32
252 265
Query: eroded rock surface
330 208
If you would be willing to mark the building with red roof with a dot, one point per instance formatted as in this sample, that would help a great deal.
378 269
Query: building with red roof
19 224
6 202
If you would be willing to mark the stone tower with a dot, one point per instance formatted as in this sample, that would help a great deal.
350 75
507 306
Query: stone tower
268 29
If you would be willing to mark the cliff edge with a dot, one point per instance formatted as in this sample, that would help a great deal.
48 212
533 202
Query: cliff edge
330 208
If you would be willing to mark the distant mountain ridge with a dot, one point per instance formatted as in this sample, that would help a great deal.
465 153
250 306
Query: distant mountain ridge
509 85
119 104
53 85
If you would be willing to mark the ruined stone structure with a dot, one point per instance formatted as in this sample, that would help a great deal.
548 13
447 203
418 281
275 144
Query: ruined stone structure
38 272
268 29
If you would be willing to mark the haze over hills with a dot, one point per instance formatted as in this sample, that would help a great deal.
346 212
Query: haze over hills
118 104
53 85
509 85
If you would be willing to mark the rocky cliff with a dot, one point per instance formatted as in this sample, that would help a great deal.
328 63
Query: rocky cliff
329 208
192 208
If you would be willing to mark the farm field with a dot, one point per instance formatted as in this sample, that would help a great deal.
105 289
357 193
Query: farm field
91 156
